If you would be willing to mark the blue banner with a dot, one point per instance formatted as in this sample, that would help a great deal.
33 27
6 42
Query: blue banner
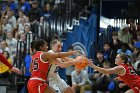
83 36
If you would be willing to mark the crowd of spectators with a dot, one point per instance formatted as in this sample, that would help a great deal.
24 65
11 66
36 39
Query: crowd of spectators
19 22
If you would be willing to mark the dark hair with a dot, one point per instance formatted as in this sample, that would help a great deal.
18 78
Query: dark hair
32 45
7 54
124 57
99 51
21 11
38 43
107 43
107 63
35 2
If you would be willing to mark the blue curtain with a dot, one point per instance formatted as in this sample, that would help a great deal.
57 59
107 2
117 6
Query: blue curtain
84 36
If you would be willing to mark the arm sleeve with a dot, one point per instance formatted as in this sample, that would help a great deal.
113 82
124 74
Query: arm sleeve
4 61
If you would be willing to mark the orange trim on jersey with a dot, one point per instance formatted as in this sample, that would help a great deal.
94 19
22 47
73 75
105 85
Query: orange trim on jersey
42 60
38 79
124 72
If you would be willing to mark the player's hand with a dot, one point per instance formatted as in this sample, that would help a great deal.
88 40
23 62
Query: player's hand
16 70
76 52
90 62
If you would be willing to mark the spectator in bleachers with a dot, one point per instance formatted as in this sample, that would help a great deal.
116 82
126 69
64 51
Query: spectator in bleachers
24 6
109 54
116 43
1 32
34 15
21 50
137 43
12 4
12 19
21 43
98 62
4 47
4 11
133 28
6 27
4 70
21 26
43 29
124 35
80 81
99 58
12 43
21 16
29 36
27 28
102 81
124 49
135 55
47 12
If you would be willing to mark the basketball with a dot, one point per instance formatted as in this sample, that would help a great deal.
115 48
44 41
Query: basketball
82 64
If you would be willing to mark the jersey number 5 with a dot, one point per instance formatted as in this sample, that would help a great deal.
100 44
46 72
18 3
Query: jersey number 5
35 64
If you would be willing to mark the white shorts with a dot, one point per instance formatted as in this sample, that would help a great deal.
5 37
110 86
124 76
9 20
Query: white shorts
59 85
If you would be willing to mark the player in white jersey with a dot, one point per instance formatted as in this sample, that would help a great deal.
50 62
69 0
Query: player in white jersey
53 77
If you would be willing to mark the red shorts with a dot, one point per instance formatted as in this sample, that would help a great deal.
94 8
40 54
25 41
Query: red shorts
37 86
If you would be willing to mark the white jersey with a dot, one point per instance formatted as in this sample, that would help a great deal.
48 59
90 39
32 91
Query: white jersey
54 79
53 73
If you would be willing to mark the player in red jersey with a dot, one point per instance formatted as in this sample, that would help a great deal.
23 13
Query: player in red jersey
4 61
40 66
125 72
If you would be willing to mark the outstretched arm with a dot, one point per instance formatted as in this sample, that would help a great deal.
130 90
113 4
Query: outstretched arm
4 61
67 63
115 70
48 55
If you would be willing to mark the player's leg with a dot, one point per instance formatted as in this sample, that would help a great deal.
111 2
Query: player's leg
49 90
130 91
64 87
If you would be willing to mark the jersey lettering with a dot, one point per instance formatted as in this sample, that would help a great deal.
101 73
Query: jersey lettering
35 64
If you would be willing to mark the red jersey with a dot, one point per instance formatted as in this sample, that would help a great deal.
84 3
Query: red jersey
39 68
130 77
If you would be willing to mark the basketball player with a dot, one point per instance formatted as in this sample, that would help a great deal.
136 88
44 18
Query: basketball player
125 72
40 66
54 79
13 69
